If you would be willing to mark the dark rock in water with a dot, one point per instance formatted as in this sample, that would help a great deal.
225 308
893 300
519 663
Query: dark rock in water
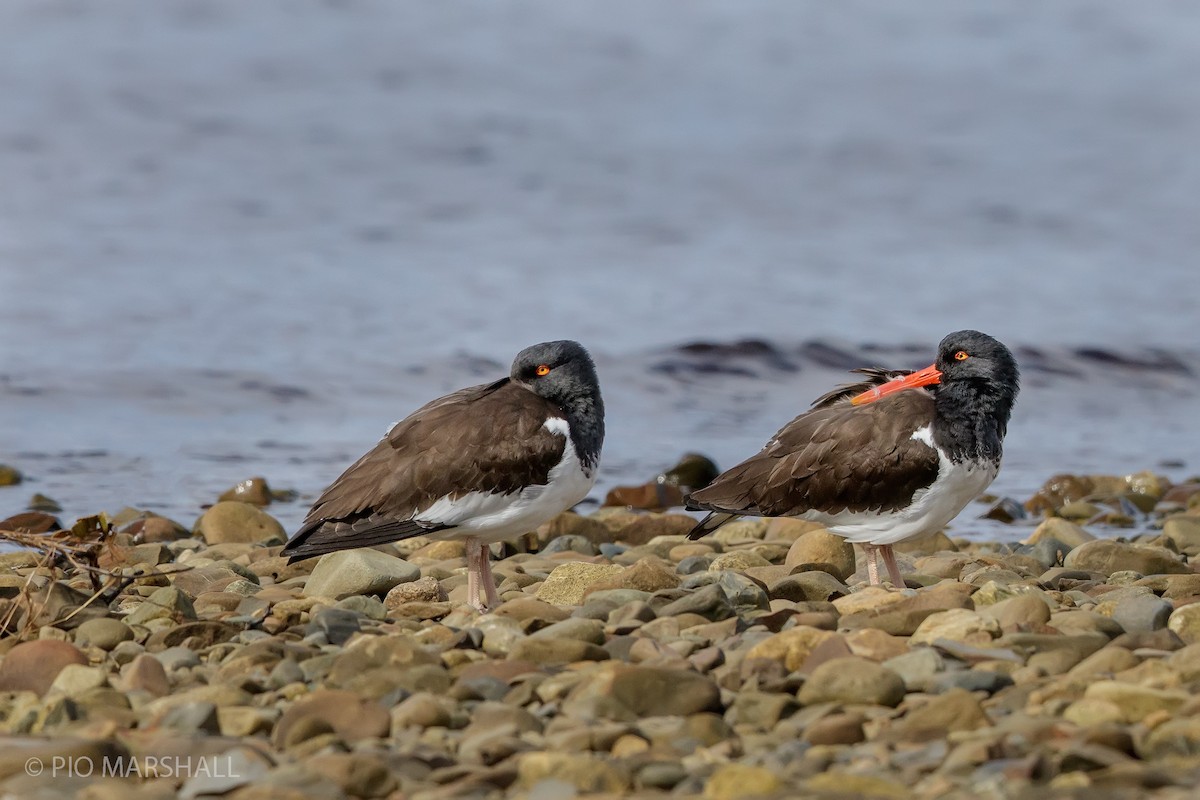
10 476
667 490
651 496
1005 510
694 471
31 522
746 358
252 490
39 502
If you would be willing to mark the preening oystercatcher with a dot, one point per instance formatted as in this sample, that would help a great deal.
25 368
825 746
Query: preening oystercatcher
483 464
877 464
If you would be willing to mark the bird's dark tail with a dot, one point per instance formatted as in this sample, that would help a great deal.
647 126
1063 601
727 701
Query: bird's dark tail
710 523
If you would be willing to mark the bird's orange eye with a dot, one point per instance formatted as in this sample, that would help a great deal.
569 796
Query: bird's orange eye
961 355
543 369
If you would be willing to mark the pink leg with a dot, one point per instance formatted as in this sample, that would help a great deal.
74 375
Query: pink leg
889 560
489 582
870 550
473 574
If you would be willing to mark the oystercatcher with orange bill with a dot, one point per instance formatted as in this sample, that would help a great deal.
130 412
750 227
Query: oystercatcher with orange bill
894 457
482 465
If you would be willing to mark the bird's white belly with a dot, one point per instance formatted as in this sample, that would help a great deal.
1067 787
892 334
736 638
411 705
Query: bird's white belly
495 517
931 509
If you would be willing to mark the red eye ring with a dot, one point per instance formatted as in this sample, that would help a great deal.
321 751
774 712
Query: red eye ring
961 355
543 369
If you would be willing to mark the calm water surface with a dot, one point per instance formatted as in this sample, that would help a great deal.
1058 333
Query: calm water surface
243 238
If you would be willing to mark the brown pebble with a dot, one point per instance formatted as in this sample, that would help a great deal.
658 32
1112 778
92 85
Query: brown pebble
33 666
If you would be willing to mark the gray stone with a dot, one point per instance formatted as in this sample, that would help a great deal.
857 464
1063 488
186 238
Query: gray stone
710 602
103 632
361 571
570 543
744 594
1143 614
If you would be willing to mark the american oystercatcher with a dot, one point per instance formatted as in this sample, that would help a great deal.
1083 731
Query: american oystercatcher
876 464
483 464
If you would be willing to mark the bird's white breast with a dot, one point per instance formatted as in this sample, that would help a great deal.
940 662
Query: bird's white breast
932 507
494 517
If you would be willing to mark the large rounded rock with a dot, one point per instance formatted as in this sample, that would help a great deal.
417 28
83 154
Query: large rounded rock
957 625
820 549
647 575
852 680
1184 533
1106 556
234 521
361 571
103 632
33 666
567 585
1136 702
343 712
628 693
1185 621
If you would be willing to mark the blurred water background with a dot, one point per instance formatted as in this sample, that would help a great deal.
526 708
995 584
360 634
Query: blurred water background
243 238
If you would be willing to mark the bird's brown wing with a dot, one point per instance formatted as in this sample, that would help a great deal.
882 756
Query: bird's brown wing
488 439
832 459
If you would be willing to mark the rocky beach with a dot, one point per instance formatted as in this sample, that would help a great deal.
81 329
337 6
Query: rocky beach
143 658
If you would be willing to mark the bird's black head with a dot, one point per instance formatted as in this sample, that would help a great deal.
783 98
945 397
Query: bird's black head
563 373
975 365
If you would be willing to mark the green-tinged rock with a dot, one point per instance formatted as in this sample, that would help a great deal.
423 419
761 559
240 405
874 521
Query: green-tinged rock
852 680
957 625
1136 702
736 781
166 603
10 476
234 521
580 772
738 561
791 647
860 787
1179 738
103 632
568 583
361 571
1185 622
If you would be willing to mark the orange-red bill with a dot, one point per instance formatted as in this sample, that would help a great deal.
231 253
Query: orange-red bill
923 377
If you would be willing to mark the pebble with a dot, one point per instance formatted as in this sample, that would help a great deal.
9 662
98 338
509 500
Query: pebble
852 680
634 662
